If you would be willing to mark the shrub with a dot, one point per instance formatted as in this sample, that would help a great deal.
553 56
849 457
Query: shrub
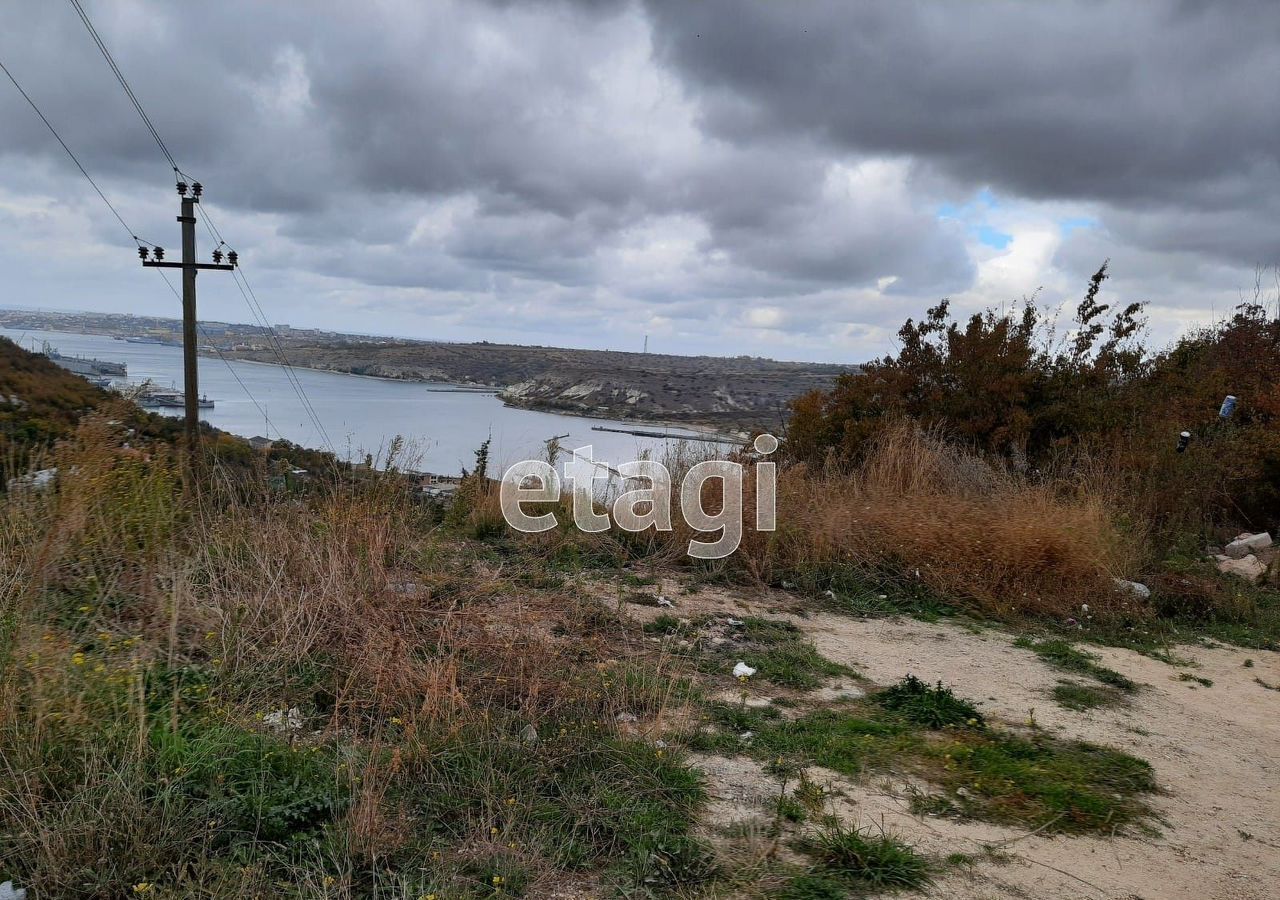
932 707
1094 406
875 860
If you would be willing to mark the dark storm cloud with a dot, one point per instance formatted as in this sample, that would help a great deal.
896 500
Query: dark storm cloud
777 166
1135 105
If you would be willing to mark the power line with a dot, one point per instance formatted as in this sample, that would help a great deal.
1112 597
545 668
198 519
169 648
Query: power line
83 171
225 361
124 225
273 340
124 83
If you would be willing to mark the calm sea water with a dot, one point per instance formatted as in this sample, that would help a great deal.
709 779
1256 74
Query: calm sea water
361 415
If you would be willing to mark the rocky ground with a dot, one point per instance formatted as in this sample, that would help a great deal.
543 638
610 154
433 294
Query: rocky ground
1209 724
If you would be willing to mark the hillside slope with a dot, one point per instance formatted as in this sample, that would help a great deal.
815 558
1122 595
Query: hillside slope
736 392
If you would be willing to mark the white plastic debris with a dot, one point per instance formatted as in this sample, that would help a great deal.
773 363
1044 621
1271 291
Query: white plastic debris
663 601
9 892
746 735
830 595
529 735
284 720
734 623
742 670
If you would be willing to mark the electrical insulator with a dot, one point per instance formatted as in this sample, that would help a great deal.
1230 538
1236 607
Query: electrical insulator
233 257
197 189
217 256
142 252
182 188
159 253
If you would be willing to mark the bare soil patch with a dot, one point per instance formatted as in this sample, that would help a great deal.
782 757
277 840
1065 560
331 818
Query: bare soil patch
1215 750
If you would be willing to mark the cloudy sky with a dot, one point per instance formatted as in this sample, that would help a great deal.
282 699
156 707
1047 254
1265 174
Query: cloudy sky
785 179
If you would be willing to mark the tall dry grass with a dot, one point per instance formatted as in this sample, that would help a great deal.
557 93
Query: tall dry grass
148 633
973 532
919 510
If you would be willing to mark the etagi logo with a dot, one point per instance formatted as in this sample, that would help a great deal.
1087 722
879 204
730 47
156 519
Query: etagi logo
645 501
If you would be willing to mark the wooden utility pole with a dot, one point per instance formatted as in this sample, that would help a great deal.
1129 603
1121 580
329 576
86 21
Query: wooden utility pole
189 267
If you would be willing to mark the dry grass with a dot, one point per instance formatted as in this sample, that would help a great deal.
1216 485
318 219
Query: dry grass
918 510
148 635
978 535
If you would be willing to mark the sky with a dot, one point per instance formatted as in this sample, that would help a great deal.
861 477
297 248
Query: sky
785 179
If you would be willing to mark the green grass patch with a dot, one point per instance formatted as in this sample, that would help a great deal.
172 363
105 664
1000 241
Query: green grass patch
980 773
1079 697
857 591
1063 655
865 859
778 652
932 707
579 798
813 886
255 786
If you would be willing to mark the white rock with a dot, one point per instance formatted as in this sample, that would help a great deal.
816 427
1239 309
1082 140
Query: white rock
1250 568
284 720
529 735
625 717
742 670
1246 544
9 892
1141 591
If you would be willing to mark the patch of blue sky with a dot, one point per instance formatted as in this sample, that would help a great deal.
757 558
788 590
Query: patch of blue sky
1066 226
991 237
973 214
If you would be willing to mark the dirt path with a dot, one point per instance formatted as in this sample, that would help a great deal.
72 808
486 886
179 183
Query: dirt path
1215 750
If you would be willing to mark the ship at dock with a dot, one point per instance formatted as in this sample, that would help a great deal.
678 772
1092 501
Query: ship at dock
157 398
86 366
163 342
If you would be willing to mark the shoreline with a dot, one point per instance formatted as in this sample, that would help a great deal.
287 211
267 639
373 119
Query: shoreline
695 430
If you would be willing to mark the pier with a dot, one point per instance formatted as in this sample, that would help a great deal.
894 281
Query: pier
642 432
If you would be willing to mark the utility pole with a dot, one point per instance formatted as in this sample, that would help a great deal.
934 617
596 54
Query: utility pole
189 267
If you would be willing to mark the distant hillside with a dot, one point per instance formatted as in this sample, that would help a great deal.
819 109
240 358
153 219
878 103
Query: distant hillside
40 402
728 392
